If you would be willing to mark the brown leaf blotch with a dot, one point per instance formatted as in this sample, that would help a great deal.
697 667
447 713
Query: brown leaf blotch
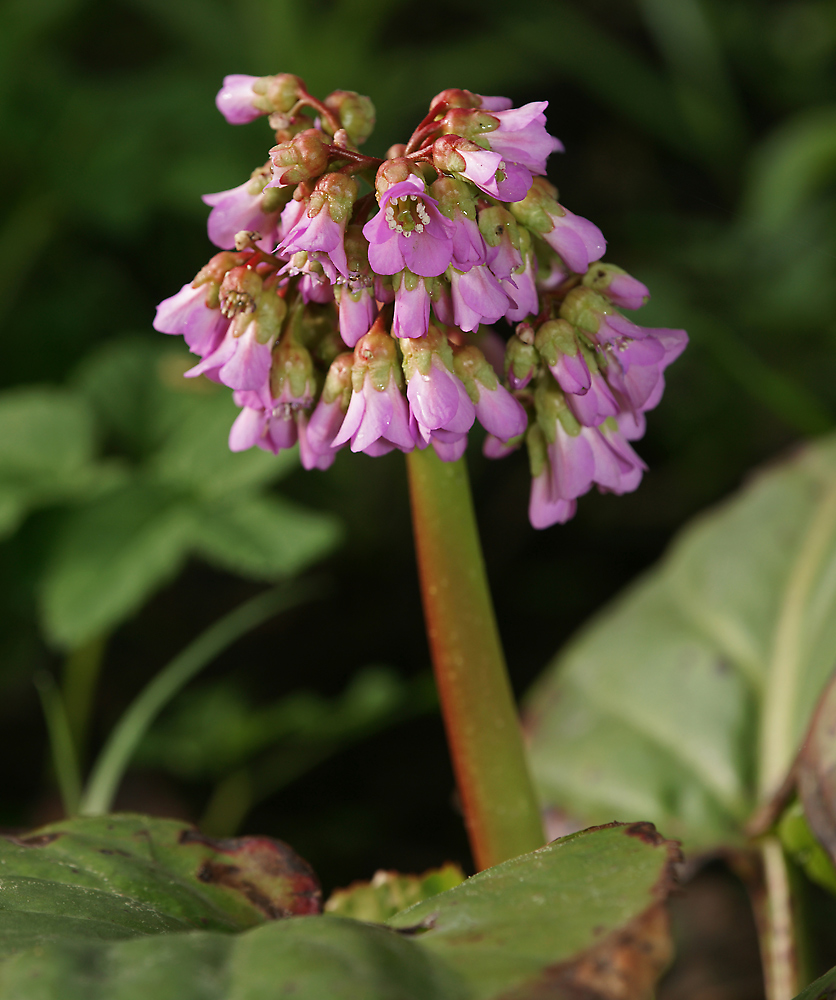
625 965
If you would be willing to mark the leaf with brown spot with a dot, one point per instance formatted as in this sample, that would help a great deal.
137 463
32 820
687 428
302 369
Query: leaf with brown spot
114 877
581 918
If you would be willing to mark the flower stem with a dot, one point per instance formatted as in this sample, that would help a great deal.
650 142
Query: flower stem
497 793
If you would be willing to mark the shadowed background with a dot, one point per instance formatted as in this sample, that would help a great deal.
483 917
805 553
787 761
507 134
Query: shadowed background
701 138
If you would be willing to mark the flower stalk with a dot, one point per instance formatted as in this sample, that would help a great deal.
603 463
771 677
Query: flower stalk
497 793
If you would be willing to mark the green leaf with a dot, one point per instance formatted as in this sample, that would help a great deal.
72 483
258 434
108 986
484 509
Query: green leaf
527 928
311 959
120 876
686 699
46 451
262 537
823 988
804 849
178 426
390 892
557 918
111 554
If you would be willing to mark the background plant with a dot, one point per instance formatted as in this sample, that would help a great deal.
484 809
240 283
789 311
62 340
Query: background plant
700 139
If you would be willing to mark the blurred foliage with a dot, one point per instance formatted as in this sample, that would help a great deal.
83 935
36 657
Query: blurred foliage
699 136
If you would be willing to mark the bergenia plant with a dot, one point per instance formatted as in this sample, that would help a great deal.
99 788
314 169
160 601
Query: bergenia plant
352 304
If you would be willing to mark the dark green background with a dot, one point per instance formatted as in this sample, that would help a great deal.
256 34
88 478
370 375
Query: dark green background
700 136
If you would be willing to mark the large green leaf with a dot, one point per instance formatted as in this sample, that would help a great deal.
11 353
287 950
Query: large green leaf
528 928
686 699
47 451
262 537
182 491
111 554
521 925
115 877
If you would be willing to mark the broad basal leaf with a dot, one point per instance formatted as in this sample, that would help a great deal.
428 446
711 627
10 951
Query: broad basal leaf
580 917
685 701
120 876
47 450
584 913
262 537
111 554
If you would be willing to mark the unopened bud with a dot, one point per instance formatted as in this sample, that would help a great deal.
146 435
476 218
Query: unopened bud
292 373
550 407
394 171
302 158
521 362
270 311
536 209
619 286
213 274
338 191
469 124
471 365
356 252
555 338
355 112
446 156
375 355
454 197
397 151
583 308
454 98
338 380
278 93
496 222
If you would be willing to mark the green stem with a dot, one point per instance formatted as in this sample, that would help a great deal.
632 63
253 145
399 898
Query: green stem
776 921
125 738
81 676
497 793
61 743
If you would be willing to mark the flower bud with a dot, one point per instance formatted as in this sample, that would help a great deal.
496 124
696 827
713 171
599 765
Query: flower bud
338 380
537 208
583 308
469 124
495 223
550 406
394 171
213 274
338 192
620 287
454 98
278 93
375 355
454 197
555 338
521 362
270 311
302 158
355 112
292 377
558 346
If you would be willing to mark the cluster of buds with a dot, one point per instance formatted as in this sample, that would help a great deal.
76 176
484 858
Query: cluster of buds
343 318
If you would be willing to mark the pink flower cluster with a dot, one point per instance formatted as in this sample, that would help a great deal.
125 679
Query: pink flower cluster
343 318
